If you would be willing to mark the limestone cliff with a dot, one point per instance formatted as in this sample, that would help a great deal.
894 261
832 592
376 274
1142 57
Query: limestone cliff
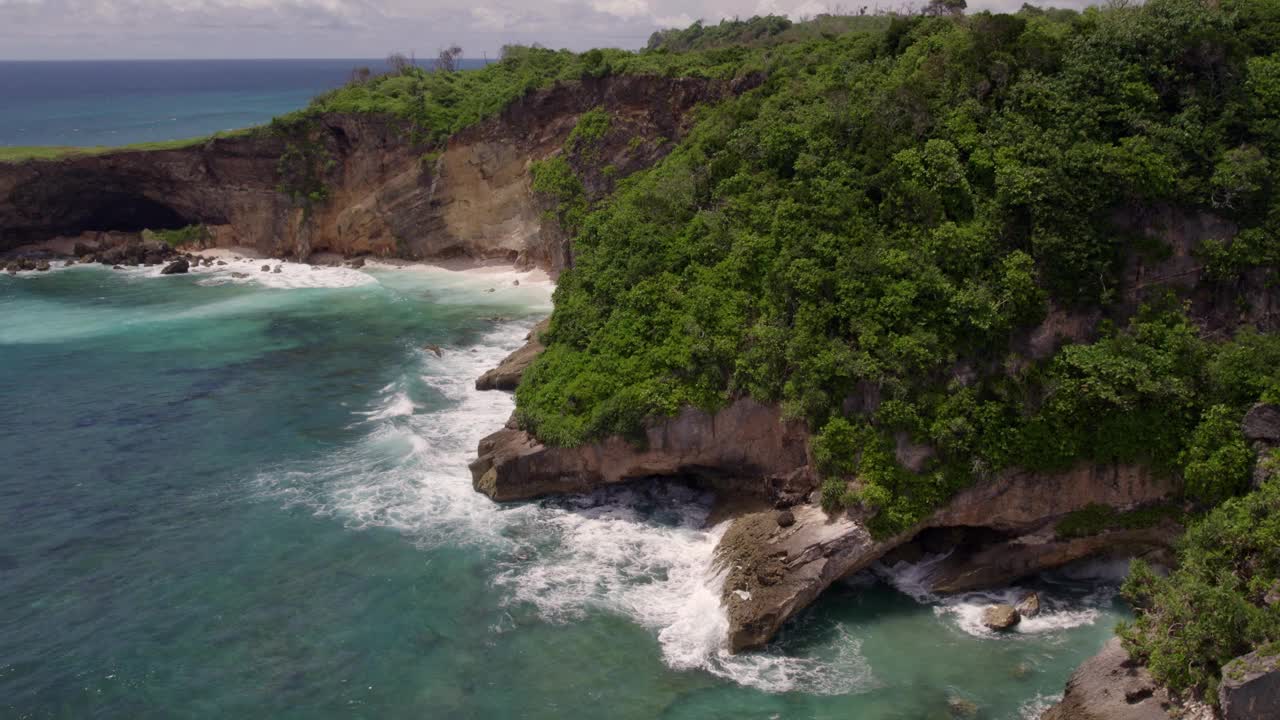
746 441
377 192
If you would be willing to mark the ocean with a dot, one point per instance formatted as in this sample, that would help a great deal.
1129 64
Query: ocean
121 102
249 497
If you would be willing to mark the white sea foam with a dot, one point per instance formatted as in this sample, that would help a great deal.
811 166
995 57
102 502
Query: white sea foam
642 553
1037 706
410 470
292 275
1058 611
639 552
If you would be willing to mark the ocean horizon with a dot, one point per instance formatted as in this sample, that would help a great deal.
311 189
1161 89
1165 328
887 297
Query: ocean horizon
91 103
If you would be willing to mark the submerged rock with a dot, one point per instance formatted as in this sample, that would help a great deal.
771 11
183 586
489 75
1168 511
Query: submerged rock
960 707
1250 688
432 347
1000 617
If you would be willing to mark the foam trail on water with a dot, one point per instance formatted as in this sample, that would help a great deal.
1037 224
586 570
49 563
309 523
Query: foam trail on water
1036 707
409 472
642 552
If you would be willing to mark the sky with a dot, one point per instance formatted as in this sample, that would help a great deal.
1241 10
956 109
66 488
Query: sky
154 29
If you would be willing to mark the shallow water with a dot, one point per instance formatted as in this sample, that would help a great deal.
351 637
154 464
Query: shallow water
249 498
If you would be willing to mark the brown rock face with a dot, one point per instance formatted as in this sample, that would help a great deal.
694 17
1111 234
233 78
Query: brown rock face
774 572
508 373
1025 555
745 440
1110 686
385 196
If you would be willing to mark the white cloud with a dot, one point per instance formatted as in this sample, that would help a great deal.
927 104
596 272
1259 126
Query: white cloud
622 8
359 28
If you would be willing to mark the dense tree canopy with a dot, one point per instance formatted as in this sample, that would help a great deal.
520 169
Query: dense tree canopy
884 216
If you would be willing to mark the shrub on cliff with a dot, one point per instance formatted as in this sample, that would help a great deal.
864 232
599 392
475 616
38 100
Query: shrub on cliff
1214 607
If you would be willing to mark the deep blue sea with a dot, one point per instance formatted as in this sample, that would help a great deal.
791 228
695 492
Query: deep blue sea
115 102
248 497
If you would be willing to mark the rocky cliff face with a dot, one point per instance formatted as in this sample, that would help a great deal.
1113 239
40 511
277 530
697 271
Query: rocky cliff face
744 444
381 193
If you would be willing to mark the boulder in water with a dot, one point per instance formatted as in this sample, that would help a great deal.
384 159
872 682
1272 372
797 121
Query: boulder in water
276 270
432 347
239 275
1000 617
177 267
221 262
266 268
786 518
42 265
1029 605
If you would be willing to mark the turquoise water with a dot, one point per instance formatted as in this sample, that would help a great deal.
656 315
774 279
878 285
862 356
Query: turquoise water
249 498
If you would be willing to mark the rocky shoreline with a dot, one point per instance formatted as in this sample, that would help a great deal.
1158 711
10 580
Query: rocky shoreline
778 561
784 550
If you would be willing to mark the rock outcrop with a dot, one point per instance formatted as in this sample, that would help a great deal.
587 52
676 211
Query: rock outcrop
506 376
1250 688
745 442
1111 686
1262 430
382 194
1005 562
773 572
1000 617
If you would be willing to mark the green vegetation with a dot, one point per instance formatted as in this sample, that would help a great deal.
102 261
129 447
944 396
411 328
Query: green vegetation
865 237
56 152
1096 518
192 234
1212 608
761 31
592 126
555 179
438 104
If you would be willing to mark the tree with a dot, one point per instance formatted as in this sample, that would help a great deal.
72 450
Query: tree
945 7
447 60
399 63
361 75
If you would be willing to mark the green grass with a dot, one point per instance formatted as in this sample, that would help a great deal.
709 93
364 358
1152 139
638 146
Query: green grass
58 152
